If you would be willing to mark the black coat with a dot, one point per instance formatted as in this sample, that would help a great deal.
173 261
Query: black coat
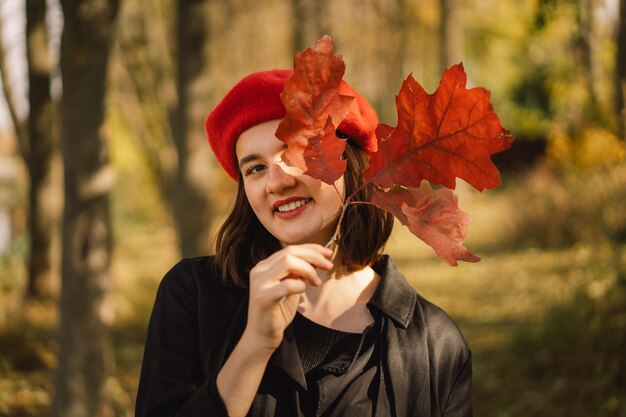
196 322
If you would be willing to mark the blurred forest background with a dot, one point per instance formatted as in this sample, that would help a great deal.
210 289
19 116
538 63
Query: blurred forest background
106 181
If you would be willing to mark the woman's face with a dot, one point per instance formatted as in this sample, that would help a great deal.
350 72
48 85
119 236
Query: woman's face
293 207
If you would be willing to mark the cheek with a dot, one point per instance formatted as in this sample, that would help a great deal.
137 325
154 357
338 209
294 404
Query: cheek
332 201
254 198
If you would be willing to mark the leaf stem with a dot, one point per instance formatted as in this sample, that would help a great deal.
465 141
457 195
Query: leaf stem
363 202
345 204
357 190
339 195
333 239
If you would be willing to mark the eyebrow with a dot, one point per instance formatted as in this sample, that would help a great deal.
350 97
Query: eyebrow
247 159
255 156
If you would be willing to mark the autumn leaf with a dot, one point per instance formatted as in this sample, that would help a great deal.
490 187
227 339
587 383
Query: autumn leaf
439 137
431 215
311 96
323 155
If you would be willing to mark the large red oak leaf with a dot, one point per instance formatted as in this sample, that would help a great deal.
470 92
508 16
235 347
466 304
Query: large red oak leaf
311 96
323 155
439 137
431 215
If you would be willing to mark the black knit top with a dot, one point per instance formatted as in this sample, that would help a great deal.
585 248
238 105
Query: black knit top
319 345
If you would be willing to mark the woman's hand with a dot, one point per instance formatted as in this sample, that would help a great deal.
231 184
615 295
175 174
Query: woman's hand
275 287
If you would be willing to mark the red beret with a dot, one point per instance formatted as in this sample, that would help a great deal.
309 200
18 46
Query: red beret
256 99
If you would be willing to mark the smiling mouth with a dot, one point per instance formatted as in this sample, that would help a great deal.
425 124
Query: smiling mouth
292 206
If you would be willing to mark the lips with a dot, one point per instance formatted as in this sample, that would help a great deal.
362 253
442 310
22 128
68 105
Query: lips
291 205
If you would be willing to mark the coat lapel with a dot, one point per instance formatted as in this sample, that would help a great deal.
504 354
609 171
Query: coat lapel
409 382
287 359
404 352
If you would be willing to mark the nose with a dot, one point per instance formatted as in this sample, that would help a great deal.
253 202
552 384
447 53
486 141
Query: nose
280 179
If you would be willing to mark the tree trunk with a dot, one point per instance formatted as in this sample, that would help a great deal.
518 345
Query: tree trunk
83 337
298 13
586 50
392 52
20 126
397 58
308 22
620 90
45 175
190 194
449 34
167 121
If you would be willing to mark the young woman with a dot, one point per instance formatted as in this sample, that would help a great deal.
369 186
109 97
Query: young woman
276 324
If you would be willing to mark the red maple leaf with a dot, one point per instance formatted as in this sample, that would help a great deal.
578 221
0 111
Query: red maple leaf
449 134
311 96
431 215
323 155
441 136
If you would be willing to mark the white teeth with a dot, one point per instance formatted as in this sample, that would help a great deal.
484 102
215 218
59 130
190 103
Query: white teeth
291 206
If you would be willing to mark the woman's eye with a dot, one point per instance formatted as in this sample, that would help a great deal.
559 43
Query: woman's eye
255 169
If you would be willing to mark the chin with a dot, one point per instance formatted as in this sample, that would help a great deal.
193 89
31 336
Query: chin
310 231
301 239
287 242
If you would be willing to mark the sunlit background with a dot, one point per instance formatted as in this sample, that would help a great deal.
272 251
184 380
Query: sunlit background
544 312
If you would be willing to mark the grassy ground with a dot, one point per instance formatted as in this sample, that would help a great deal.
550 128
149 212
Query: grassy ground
547 340
547 327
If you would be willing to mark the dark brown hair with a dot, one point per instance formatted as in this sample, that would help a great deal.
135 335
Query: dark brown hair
242 241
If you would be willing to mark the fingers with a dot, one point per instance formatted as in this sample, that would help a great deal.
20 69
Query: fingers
286 288
275 287
298 261
288 306
294 268
315 254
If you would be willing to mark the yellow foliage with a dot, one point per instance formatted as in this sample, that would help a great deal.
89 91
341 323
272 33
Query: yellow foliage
559 147
600 147
588 149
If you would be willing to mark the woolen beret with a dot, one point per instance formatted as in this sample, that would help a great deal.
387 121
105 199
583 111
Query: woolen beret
256 99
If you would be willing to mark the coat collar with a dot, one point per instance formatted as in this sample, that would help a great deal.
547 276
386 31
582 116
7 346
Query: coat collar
286 358
394 297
